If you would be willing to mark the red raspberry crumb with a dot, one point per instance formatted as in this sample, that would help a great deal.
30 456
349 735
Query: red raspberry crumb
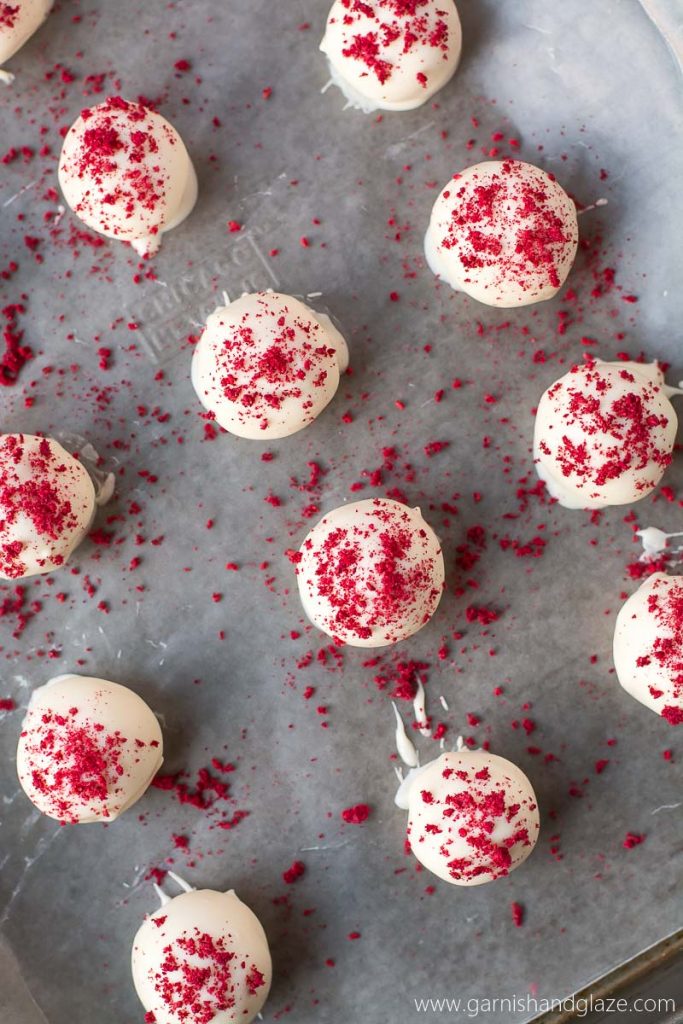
294 873
356 815
517 914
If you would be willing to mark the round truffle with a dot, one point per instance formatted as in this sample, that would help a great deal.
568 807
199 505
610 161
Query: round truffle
47 505
19 19
267 365
392 54
202 958
125 172
473 816
370 573
648 646
503 232
604 434
88 749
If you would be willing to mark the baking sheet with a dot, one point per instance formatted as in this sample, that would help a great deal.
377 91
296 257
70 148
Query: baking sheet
584 88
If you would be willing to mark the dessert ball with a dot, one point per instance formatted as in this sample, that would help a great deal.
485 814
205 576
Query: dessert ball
19 19
370 573
648 646
202 958
267 365
47 505
88 749
392 54
604 434
503 232
125 172
473 816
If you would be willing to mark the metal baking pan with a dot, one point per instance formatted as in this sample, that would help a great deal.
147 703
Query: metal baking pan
591 92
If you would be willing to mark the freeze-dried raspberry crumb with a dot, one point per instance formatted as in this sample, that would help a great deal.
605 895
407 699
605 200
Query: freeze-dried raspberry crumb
294 872
356 815
517 914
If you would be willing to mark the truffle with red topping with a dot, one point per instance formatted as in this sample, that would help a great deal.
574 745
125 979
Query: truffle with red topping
648 646
370 573
19 19
47 504
202 958
88 749
473 816
125 172
392 54
267 365
504 232
604 433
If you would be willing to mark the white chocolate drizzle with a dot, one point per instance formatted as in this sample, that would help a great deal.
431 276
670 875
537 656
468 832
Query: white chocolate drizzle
656 542
405 747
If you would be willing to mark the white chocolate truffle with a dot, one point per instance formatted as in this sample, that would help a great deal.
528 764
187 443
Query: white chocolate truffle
392 54
202 958
473 816
648 646
88 749
267 365
604 434
47 505
503 232
125 172
19 19
370 573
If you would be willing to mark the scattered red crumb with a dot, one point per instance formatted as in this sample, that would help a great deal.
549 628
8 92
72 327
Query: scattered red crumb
434 447
517 914
632 839
207 788
16 354
156 875
356 815
294 872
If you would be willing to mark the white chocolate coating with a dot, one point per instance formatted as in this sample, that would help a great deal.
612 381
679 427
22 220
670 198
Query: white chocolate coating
88 749
47 504
125 172
648 646
473 816
504 232
370 573
19 19
392 54
202 958
267 365
604 434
